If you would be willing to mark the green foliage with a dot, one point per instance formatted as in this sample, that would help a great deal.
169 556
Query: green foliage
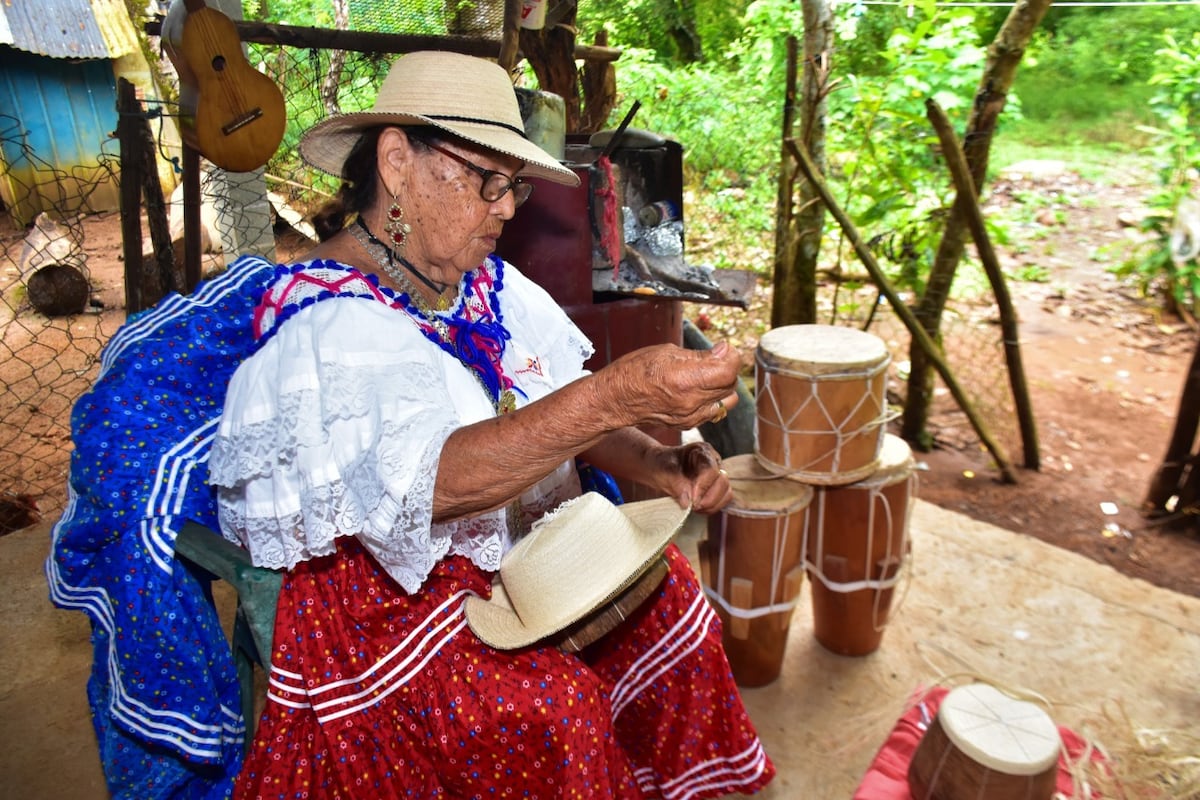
1176 103
885 153
729 127
652 25
1112 47
1083 92
1030 273
728 117
1085 76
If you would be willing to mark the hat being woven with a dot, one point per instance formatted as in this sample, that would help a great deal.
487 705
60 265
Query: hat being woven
575 560
467 96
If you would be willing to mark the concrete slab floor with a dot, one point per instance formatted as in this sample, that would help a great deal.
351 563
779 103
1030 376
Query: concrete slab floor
979 603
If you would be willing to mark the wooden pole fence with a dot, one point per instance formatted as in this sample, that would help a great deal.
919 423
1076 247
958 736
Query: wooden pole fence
927 345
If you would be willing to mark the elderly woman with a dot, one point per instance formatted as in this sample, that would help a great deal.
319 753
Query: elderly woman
384 421
416 404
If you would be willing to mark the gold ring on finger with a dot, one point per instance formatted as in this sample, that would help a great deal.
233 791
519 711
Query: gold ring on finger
720 413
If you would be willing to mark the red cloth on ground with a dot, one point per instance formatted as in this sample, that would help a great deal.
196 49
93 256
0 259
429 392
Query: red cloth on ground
887 777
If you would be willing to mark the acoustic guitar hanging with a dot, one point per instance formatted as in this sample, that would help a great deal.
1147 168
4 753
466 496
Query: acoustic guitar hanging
233 114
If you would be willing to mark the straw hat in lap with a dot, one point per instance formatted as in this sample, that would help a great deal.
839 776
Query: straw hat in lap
575 561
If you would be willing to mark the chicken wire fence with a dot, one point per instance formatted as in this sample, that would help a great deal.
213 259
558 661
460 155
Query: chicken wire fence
62 293
62 280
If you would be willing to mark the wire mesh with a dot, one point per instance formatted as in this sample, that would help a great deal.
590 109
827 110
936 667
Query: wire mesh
62 280
482 19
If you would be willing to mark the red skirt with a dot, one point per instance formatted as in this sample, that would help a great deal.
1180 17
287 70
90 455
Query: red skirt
374 693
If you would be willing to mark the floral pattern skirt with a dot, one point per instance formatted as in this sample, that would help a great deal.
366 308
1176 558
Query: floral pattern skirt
374 693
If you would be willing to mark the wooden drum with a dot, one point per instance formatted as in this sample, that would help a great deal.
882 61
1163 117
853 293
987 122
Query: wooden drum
821 402
751 564
857 542
984 745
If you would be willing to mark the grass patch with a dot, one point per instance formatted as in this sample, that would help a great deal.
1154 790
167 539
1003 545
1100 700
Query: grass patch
1085 129
1090 158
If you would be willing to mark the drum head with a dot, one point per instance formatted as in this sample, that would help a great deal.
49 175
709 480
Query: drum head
821 350
1002 733
755 489
895 463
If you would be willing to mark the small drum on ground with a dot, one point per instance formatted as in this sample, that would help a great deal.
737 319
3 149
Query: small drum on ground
985 745
751 565
857 541
821 402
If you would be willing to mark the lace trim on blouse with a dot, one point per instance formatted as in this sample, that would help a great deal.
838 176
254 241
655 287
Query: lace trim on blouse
297 464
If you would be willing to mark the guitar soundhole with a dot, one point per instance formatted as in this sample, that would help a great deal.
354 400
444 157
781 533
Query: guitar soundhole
218 64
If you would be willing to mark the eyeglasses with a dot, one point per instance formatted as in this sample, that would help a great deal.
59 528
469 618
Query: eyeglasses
495 184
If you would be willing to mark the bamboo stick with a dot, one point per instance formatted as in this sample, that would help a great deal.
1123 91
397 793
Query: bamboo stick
967 204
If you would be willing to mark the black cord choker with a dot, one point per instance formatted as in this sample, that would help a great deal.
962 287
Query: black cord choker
437 288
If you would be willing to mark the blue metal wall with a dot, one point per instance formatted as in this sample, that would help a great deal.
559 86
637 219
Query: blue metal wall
57 121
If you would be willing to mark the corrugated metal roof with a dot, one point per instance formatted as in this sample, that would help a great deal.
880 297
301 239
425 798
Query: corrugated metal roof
67 28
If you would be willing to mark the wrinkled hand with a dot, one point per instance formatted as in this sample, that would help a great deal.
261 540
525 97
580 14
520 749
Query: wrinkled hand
671 386
692 474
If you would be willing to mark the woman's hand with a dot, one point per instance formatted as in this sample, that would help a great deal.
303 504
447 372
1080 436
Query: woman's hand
599 417
692 474
671 386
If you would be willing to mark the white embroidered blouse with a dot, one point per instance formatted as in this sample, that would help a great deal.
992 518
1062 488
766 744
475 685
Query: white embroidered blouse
335 426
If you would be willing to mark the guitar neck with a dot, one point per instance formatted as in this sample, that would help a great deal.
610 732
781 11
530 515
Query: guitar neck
194 5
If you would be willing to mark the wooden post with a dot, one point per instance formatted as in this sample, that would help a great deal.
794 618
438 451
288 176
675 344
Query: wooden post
510 35
156 218
1169 480
191 218
130 141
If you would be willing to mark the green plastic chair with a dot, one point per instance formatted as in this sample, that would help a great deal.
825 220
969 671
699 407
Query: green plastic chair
257 591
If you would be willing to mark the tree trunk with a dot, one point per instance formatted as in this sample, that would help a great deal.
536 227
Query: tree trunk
682 30
786 299
551 53
599 80
800 216
1172 477
333 77
1004 55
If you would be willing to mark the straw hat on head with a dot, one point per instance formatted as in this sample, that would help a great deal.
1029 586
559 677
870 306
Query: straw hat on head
576 560
463 95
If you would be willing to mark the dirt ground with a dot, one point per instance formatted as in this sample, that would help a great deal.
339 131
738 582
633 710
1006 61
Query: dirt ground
1106 371
1105 374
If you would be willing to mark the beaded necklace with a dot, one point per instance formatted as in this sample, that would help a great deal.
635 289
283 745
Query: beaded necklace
477 343
389 266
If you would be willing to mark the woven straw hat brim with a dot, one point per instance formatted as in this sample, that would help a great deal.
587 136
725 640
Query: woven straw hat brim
326 145
496 622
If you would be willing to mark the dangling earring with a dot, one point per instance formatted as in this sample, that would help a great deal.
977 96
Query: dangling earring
397 229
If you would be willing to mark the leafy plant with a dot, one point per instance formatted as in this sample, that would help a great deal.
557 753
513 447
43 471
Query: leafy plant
886 153
1077 98
1177 150
1030 273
